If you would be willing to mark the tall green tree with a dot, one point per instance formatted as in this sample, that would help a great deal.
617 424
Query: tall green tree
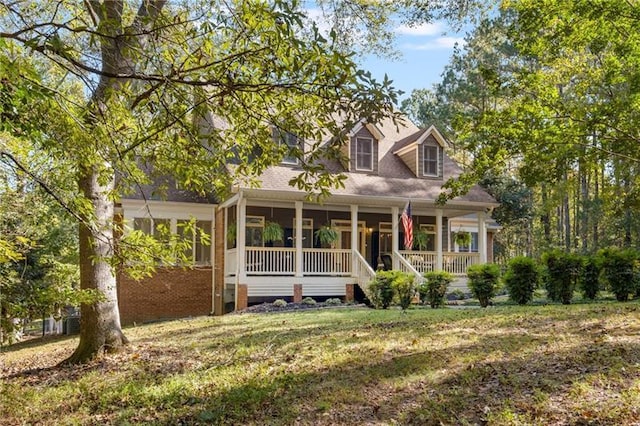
546 91
41 277
183 87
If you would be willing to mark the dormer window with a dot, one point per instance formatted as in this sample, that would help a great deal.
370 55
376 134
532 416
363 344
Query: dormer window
364 154
430 160
292 142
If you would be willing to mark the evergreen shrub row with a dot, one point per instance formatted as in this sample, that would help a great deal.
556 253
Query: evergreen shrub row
612 269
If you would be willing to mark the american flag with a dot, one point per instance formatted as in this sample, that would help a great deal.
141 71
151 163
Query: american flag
407 224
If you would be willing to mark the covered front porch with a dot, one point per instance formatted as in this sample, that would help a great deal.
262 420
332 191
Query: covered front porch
368 236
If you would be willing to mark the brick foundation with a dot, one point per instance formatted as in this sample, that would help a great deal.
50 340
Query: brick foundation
350 293
243 298
297 293
169 293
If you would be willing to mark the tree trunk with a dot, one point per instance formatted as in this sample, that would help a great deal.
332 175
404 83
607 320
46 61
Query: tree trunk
545 218
627 210
100 329
596 200
567 216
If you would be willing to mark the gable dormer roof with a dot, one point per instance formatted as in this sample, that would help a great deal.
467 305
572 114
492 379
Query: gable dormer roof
372 128
418 138
423 153
363 148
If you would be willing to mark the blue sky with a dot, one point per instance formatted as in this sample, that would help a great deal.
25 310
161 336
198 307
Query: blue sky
424 52
425 49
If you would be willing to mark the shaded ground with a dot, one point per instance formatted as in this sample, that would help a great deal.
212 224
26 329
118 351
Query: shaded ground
505 365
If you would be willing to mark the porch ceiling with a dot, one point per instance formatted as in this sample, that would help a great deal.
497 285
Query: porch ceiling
377 204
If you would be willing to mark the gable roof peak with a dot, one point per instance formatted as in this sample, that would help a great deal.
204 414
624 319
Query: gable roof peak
371 127
433 130
417 138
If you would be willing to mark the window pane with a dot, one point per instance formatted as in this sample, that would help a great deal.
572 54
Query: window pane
430 162
142 224
292 142
474 242
188 251
385 242
307 238
255 221
162 229
203 252
254 237
364 154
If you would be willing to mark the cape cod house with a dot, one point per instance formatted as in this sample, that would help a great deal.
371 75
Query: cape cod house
268 241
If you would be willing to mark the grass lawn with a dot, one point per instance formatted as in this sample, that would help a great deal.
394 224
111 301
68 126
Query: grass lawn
544 365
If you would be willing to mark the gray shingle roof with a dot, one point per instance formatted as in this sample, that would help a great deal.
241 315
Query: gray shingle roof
394 178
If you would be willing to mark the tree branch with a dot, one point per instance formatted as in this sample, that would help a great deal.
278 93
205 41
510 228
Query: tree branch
43 185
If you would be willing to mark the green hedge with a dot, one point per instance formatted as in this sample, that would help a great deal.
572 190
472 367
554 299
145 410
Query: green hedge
484 282
521 279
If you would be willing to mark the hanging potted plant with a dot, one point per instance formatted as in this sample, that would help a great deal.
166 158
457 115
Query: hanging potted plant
463 238
420 240
326 235
272 232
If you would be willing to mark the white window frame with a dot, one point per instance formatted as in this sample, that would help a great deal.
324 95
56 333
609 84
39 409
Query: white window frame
359 153
431 161
173 228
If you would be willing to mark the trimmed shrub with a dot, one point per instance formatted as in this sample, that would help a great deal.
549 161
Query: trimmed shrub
434 288
561 275
405 288
279 303
483 282
521 279
381 289
618 271
590 277
333 301
308 301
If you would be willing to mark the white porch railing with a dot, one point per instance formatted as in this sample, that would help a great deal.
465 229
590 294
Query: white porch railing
454 263
408 268
421 261
338 262
230 262
364 272
458 263
270 261
334 262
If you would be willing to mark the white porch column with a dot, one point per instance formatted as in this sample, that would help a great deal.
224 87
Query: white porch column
394 237
241 224
299 239
439 257
482 237
355 247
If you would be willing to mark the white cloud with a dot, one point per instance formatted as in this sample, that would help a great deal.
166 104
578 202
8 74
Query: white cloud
421 30
435 44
